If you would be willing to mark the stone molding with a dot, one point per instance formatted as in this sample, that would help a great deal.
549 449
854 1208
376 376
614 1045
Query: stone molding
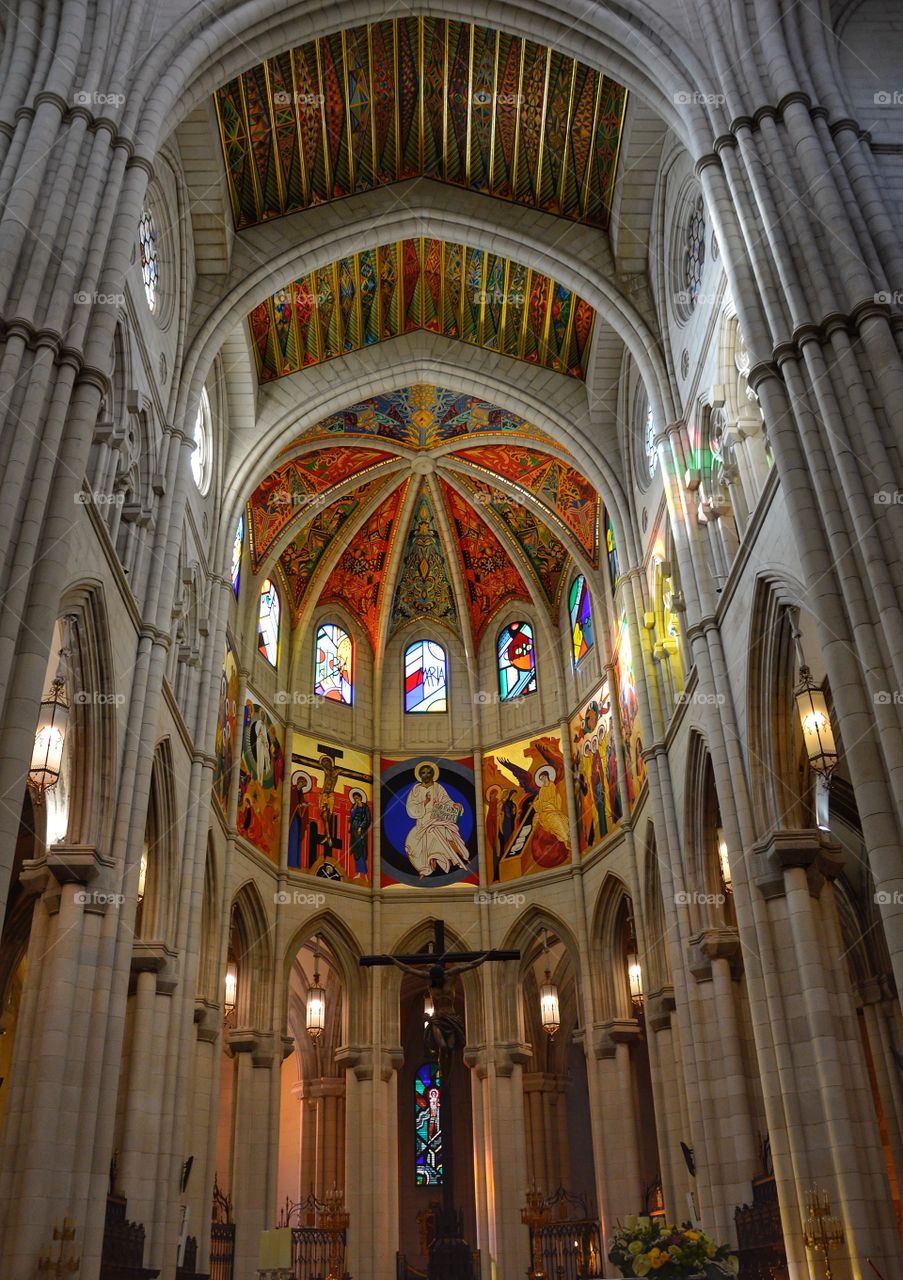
608 1035
809 848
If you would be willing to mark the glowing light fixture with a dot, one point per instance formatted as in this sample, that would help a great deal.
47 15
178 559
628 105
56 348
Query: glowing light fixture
231 988
812 708
142 874
724 862
316 1000
50 736
549 1008
428 1009
634 970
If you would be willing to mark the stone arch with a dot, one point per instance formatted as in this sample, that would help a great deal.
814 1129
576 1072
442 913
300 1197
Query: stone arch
250 938
417 939
346 951
614 905
526 935
657 957
208 976
779 773
161 890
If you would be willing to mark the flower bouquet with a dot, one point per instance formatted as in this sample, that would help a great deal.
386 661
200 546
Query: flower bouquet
652 1247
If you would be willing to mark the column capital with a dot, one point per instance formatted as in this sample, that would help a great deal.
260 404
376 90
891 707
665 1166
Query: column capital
609 1034
543 1082
208 1019
504 1056
261 1045
158 958
717 943
659 1007
370 1062
808 848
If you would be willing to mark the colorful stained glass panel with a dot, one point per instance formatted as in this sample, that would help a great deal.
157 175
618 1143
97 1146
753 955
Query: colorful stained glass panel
516 661
334 664
425 677
581 614
428 1125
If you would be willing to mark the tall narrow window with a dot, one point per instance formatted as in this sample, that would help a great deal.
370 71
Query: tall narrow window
428 1125
516 661
425 677
147 241
581 618
611 548
334 664
268 623
237 544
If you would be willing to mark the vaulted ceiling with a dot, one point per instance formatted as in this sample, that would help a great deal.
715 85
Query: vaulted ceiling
420 529
421 97
452 289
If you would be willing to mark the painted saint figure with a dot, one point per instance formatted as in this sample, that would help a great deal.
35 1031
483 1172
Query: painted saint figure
359 827
434 840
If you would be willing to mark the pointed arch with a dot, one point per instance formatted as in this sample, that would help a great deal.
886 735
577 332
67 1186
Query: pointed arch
614 908
655 927
346 952
251 940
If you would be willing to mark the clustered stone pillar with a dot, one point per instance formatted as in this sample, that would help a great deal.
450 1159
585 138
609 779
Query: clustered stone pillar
547 1134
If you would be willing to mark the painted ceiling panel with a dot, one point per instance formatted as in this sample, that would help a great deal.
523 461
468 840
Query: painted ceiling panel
490 578
290 491
558 486
424 588
357 579
300 559
421 417
454 289
464 104
548 556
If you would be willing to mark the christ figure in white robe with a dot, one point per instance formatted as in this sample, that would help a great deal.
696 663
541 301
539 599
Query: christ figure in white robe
434 840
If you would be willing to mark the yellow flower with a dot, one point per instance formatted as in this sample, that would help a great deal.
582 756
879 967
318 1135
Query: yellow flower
710 1251
635 1246
641 1265
660 1260
692 1235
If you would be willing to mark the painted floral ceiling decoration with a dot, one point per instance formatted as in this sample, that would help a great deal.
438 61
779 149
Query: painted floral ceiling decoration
490 577
421 284
356 581
423 416
421 97
424 587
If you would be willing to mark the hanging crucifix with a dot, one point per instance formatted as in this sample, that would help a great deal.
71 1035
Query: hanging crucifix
443 1036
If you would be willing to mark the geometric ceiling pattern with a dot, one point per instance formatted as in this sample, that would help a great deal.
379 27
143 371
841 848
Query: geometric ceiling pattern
569 498
424 588
299 487
490 578
423 416
421 284
547 554
421 97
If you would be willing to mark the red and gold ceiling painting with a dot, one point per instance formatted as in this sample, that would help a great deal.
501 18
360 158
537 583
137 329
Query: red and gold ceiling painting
489 575
423 416
548 556
357 579
288 493
424 585
566 494
298 562
421 96
409 285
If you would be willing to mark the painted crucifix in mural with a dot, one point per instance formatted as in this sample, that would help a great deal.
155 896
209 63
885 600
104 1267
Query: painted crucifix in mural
443 1038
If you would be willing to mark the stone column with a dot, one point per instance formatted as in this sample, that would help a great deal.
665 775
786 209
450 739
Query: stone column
498 1089
371 1151
619 1163
549 1164
254 1144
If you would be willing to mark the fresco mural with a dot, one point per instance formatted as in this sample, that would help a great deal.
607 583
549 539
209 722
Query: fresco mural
303 554
392 91
568 496
428 822
422 416
547 554
224 748
594 765
330 830
629 710
299 487
525 807
424 589
357 578
489 575
260 781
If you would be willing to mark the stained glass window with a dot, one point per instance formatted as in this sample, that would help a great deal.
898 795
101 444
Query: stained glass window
201 456
611 548
694 262
516 661
334 664
425 677
649 442
268 623
428 1125
581 618
147 240
237 543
